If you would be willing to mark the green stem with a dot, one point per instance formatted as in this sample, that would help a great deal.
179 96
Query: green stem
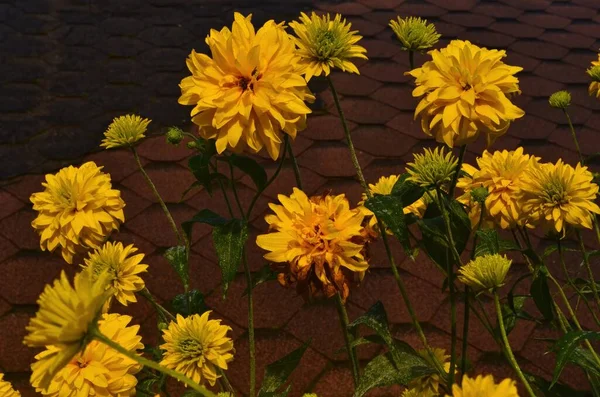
251 340
411 59
235 193
222 187
508 351
344 321
146 294
574 135
96 334
289 149
461 159
228 385
586 262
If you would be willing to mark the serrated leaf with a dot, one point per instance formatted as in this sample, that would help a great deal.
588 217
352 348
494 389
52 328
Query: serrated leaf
229 240
277 373
565 346
407 191
390 210
262 276
177 258
251 168
189 303
540 292
205 216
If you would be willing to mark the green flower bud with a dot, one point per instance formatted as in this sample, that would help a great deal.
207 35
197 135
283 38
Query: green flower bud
560 99
192 145
174 135
433 168
479 194
594 73
162 326
415 34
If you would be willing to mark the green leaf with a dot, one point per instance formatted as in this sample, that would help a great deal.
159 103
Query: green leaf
149 386
205 216
229 240
407 191
513 311
541 293
383 370
545 389
189 303
263 275
277 373
565 346
490 243
251 168
390 210
584 359
177 258
199 165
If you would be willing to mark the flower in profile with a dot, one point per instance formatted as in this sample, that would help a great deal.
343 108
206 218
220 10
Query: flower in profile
560 99
98 370
464 92
123 268
485 272
415 34
6 389
433 168
500 173
557 194
251 91
324 44
77 210
594 73
430 384
125 131
65 316
484 386
318 242
197 347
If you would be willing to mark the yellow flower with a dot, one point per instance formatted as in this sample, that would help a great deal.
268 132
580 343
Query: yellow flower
433 168
123 269
464 91
415 34
197 347
484 386
429 385
318 241
500 173
6 389
125 131
485 272
66 314
558 194
251 91
98 370
594 73
324 43
77 210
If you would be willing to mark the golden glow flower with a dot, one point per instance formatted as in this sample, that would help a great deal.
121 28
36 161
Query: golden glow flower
99 370
464 92
415 34
484 386
125 131
66 314
318 241
324 44
251 91
6 389
197 347
558 194
500 173
560 99
485 272
430 384
594 73
433 168
77 210
123 269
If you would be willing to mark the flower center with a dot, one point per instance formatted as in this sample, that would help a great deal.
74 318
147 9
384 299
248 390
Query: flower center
556 193
326 44
191 347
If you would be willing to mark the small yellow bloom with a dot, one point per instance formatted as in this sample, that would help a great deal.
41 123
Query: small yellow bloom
197 347
98 370
318 241
594 73
66 314
433 168
77 210
324 43
557 194
125 131
485 272
429 385
484 386
123 269
560 99
464 92
6 389
415 34
251 91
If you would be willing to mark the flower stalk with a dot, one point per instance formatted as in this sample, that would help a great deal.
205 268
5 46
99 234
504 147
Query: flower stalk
288 145
344 321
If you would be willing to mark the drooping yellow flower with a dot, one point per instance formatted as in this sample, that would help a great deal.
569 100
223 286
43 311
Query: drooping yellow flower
500 173
318 243
485 272
324 44
251 91
125 131
77 210
433 168
65 315
464 92
594 73
6 389
197 347
414 33
557 194
98 370
429 385
484 386
123 269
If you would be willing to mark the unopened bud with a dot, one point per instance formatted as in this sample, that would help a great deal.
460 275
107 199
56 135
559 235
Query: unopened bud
479 194
174 135
560 99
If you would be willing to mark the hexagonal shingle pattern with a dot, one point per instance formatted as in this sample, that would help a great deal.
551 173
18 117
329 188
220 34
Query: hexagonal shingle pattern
70 68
